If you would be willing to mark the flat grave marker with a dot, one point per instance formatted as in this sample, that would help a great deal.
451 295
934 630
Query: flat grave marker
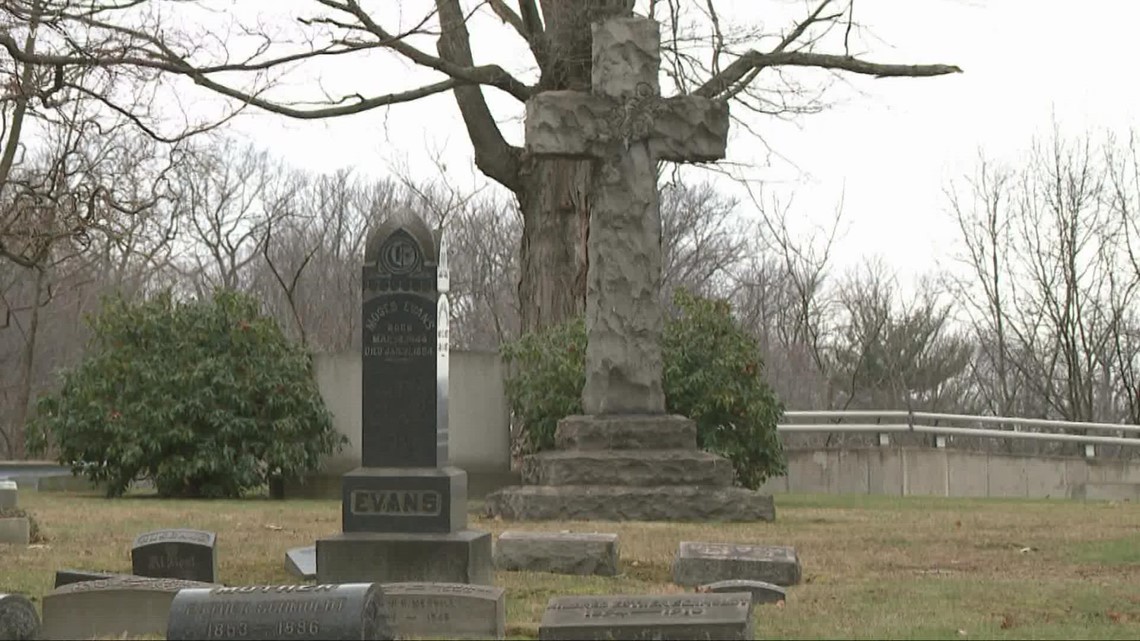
347 611
302 562
657 616
558 552
111 608
700 563
68 576
447 610
176 554
761 591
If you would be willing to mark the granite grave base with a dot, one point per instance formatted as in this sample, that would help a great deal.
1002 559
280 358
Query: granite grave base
387 557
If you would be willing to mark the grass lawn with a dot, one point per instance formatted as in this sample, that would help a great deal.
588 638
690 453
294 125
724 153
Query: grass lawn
873 567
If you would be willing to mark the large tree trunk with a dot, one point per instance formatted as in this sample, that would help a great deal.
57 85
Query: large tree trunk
554 201
27 372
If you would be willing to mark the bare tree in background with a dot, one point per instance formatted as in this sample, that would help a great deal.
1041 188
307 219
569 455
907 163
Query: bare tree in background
704 55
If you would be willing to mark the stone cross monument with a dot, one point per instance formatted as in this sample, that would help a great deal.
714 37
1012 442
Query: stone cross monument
404 511
626 459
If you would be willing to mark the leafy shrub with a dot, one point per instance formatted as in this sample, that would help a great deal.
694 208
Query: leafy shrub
713 375
205 398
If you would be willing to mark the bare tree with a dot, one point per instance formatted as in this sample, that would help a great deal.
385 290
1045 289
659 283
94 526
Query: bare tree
552 194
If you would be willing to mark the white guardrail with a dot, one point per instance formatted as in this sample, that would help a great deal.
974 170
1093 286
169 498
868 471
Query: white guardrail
901 421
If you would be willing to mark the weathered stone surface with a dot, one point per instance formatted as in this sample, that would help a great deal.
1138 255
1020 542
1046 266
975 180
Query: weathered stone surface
111 608
626 125
18 618
363 557
658 616
627 432
699 563
761 592
558 552
15 530
447 610
302 562
618 503
9 498
408 499
353 611
67 577
625 467
176 554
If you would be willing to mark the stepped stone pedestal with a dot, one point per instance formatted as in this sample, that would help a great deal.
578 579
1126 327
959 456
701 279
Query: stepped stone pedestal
628 468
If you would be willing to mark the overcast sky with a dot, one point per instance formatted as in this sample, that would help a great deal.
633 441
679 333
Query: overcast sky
887 147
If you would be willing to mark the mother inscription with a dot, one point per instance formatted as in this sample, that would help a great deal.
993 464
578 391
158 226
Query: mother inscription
347 611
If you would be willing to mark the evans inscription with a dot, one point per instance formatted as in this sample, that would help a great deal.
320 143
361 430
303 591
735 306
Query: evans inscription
397 502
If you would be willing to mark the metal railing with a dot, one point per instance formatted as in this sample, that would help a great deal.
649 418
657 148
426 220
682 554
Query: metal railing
902 421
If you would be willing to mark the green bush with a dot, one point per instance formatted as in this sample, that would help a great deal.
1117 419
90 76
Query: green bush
205 399
713 375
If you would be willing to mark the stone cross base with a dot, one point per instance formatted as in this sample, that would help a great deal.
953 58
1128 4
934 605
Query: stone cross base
628 468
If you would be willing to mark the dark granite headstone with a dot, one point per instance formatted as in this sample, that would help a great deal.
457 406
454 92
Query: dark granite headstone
349 611
404 511
658 616
176 554
399 420
18 618
67 576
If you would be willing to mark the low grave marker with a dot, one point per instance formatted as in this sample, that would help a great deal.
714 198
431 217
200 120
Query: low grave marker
347 611
761 591
700 563
302 562
657 616
176 554
18 618
558 552
68 576
8 496
447 610
116 607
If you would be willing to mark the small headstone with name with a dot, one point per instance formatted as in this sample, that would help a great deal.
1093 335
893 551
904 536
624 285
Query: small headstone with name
761 592
558 552
176 554
68 576
700 563
124 606
302 562
18 618
657 616
348 611
8 495
447 610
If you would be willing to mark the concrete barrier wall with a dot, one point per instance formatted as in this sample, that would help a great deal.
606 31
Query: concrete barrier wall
943 472
480 444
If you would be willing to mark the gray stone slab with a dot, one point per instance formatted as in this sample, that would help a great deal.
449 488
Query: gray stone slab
558 552
701 563
68 576
447 610
360 557
15 530
404 500
627 468
302 562
761 591
176 554
18 618
658 616
111 608
627 432
618 503
352 611
9 499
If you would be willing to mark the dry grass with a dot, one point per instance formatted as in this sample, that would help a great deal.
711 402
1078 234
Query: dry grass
874 567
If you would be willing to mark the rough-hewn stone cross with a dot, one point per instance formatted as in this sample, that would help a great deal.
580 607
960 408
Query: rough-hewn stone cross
626 126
